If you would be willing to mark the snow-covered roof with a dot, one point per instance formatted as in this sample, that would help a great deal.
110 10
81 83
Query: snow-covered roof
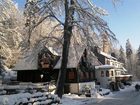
52 51
124 69
31 63
93 59
121 69
124 75
75 53
107 55
104 67
27 64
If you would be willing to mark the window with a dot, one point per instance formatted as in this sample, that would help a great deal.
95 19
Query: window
81 76
116 73
102 73
91 75
112 73
87 75
108 62
71 75
107 73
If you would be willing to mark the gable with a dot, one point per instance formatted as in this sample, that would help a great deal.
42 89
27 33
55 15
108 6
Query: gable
75 53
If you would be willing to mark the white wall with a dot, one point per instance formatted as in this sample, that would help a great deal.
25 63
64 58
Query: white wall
104 81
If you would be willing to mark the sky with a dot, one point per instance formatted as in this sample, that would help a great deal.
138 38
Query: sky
123 19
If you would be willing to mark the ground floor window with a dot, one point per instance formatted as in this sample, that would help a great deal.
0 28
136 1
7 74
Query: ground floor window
71 75
107 73
102 73
112 73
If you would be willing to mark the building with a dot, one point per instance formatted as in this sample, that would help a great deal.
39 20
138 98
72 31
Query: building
111 72
47 63
37 69
80 69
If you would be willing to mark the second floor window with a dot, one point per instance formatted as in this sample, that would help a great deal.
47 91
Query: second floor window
108 62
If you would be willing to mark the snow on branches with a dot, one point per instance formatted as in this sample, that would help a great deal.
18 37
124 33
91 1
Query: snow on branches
10 35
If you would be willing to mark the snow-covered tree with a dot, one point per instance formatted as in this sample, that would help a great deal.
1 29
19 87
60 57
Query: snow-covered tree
121 57
137 63
82 15
138 56
10 31
130 58
128 49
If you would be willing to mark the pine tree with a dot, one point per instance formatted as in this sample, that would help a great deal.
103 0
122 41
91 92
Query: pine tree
128 49
121 55
129 56
138 56
138 63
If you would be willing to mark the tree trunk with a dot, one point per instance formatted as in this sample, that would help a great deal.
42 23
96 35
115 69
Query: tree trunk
69 14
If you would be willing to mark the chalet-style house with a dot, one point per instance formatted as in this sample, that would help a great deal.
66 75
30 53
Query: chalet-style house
40 69
85 68
80 69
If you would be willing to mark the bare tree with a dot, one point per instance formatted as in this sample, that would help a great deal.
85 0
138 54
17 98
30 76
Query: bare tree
82 14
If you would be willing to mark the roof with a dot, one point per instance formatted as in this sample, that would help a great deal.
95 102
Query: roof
31 63
107 55
75 53
93 59
104 67
25 64
52 51
124 75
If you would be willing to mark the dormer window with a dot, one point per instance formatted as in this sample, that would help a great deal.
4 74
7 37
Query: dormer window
108 61
45 62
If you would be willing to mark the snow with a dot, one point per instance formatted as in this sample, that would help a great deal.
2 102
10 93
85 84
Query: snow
73 99
75 53
107 55
104 66
52 51
24 98
123 75
25 64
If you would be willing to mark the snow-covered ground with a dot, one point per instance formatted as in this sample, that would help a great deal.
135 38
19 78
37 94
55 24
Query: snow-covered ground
38 98
127 96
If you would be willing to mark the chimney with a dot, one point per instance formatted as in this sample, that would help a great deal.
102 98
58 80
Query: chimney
106 45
